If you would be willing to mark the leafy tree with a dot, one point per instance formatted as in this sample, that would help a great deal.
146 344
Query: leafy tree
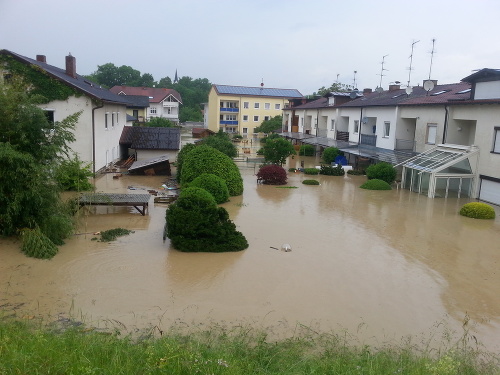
269 126
147 80
180 158
277 150
165 83
73 175
335 87
221 142
330 153
272 174
382 171
307 150
190 114
160 122
196 224
206 159
31 149
214 185
270 136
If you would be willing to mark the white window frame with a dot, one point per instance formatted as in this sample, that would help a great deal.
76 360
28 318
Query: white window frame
256 105
356 126
387 129
246 105
332 124
496 140
267 105
267 118
106 120
245 130
245 118
277 106
429 134
256 118
152 110
117 118
113 120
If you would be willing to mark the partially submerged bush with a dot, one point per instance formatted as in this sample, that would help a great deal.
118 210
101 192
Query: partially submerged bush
272 174
214 185
381 171
37 245
310 182
196 224
477 210
376 184
206 159
293 170
356 172
73 175
312 171
306 150
113 234
328 170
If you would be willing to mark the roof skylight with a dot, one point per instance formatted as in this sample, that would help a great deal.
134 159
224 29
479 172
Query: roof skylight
439 92
464 91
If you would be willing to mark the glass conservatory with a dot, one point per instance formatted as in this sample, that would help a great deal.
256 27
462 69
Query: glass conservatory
443 171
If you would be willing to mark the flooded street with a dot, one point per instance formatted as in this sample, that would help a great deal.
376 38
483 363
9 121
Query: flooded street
380 264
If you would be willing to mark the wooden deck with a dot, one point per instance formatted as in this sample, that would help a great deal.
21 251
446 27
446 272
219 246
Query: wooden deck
107 199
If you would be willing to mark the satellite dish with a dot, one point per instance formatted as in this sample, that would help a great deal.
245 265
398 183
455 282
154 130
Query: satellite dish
409 90
428 85
353 94
379 89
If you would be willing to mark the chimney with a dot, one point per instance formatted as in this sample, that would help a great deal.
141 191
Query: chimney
41 58
394 87
367 91
71 66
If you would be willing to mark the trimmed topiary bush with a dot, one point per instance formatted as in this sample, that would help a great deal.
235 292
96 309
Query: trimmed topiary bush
196 224
272 174
382 171
214 185
307 150
180 158
376 185
477 210
310 182
206 159
328 170
312 171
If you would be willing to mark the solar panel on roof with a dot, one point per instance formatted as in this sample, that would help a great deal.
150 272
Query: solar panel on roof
258 91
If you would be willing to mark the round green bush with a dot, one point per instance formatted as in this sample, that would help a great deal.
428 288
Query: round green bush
310 182
214 185
306 150
477 210
312 171
381 171
196 224
293 170
206 159
330 153
272 174
328 170
376 184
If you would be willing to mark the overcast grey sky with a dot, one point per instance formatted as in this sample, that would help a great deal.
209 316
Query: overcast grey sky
286 43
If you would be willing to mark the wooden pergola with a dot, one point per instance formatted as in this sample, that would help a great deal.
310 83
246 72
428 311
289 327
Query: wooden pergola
108 199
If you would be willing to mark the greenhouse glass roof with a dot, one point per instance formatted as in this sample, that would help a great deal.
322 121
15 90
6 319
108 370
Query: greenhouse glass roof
445 159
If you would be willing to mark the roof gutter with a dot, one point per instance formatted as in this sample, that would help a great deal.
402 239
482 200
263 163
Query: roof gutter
445 127
93 136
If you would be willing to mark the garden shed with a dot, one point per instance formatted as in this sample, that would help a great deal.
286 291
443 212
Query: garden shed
443 171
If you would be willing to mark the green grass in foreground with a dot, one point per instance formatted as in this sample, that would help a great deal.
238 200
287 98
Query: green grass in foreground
32 348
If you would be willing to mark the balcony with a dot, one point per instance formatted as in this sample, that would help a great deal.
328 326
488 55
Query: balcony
368 139
405 144
342 136
227 122
229 109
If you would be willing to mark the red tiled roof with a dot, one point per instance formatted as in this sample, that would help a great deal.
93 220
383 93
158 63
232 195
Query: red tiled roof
156 95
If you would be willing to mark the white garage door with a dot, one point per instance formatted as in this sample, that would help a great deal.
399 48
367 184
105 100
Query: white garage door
490 191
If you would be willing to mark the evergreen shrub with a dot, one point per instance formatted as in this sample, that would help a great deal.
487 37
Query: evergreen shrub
376 184
328 170
196 224
307 150
356 172
330 153
310 182
272 174
214 185
312 171
381 171
73 175
477 210
206 159
293 170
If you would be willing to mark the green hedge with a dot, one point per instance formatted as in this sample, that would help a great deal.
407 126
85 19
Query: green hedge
310 182
307 150
206 159
312 171
382 171
376 185
477 210
214 185
328 170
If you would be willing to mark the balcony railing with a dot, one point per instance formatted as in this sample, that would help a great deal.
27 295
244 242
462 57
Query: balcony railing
342 136
226 122
405 144
170 104
229 109
368 139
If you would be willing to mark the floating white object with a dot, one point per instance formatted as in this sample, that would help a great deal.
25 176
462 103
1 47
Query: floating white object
286 247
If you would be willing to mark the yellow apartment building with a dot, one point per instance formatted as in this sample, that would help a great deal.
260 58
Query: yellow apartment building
240 109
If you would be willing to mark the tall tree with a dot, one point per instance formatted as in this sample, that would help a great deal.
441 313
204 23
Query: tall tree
268 126
277 150
335 87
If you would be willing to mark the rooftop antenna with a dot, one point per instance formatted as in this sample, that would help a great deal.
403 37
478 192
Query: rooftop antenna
262 83
337 78
432 56
411 61
381 72
355 79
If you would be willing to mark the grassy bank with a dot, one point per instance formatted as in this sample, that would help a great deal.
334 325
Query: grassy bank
34 348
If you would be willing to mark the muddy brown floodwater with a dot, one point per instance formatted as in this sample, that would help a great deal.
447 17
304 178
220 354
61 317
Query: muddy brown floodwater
379 265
